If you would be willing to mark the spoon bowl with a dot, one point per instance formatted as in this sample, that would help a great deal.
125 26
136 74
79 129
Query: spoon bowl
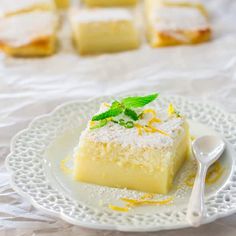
207 149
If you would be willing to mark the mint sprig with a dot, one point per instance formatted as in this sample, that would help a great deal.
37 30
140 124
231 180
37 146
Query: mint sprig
134 102
125 106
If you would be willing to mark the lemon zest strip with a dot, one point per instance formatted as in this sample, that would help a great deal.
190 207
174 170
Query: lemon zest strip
117 208
137 202
154 120
63 166
171 109
152 129
139 128
153 112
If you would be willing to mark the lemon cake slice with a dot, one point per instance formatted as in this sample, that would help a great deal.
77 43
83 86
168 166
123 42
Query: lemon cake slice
173 25
128 146
62 4
13 7
103 30
29 34
110 3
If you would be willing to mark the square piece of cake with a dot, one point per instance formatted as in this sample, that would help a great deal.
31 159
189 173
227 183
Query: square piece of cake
13 7
29 34
173 25
133 147
103 30
109 3
62 4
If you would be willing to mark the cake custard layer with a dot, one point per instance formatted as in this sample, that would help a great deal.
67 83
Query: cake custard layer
145 157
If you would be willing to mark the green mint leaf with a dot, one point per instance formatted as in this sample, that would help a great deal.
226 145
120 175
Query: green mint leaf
133 102
131 113
100 124
112 112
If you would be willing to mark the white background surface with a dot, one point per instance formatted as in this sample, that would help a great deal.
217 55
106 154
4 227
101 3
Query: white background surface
32 87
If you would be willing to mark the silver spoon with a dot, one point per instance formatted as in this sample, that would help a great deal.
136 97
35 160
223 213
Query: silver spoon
206 149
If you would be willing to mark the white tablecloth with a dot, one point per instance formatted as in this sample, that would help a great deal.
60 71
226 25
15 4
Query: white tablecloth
30 87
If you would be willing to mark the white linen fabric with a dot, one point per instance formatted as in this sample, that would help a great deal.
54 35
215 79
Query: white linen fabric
30 87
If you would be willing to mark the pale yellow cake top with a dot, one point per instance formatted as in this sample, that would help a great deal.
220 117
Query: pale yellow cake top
170 130
11 6
23 29
100 15
178 18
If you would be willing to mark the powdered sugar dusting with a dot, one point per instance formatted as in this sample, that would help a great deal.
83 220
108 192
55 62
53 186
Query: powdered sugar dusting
113 132
22 29
12 6
179 18
100 15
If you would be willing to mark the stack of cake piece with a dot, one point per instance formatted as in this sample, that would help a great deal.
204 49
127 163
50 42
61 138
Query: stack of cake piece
173 22
108 28
28 28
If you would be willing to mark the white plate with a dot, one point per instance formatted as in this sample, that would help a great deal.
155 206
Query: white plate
35 158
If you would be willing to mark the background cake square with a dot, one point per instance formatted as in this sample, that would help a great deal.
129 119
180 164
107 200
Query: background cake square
29 34
103 30
176 22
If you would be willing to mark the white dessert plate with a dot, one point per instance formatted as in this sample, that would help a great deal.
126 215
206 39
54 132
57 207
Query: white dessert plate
35 166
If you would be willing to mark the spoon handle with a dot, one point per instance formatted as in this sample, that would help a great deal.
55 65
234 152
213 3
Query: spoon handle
196 209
